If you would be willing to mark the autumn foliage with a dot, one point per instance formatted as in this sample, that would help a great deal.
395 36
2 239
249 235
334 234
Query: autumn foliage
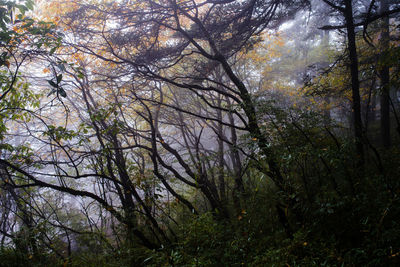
199 133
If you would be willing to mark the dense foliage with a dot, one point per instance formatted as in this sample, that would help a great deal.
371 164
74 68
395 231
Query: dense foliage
199 133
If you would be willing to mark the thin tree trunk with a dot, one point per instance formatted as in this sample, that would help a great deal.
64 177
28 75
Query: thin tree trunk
384 75
355 83
221 178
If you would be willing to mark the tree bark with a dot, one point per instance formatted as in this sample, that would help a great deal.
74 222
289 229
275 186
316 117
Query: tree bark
384 76
355 83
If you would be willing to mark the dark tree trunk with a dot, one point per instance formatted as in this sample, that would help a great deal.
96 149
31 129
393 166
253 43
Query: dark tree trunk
384 75
221 163
355 83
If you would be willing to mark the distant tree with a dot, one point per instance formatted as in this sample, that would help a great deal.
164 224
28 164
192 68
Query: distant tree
353 18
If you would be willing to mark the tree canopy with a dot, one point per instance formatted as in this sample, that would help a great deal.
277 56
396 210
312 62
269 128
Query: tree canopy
199 133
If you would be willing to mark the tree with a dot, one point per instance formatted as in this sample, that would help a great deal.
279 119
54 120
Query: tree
165 135
21 39
347 10
384 75
174 45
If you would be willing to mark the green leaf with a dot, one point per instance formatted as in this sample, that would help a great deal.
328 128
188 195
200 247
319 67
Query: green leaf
29 4
27 25
7 147
52 83
21 9
59 78
62 92
53 50
3 25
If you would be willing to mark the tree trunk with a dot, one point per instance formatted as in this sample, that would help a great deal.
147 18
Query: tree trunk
221 174
355 83
384 75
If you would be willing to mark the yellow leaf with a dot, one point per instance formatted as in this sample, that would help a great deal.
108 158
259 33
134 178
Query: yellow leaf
395 255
